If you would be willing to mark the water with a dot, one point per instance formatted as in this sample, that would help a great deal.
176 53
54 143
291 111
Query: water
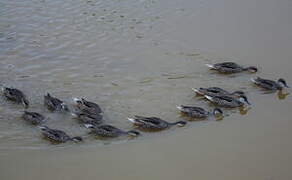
142 57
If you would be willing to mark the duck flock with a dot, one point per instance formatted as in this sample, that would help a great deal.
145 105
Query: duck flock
89 114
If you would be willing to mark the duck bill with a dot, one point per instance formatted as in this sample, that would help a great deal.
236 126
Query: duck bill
247 102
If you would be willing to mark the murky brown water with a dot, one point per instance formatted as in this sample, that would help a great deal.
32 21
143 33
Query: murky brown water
142 57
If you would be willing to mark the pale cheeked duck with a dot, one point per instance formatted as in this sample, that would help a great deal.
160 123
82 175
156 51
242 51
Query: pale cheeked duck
54 104
198 112
270 84
231 67
228 101
15 95
58 136
87 106
216 91
153 123
110 131
33 118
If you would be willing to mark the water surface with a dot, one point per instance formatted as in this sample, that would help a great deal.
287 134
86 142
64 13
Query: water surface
143 57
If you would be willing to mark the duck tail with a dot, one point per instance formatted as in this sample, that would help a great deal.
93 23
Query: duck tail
209 97
210 66
74 114
89 126
181 108
254 79
43 127
131 120
197 91
2 88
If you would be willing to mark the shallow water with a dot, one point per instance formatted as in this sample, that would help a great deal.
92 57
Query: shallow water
143 57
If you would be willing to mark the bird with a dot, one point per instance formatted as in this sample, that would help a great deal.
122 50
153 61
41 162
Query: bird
33 117
87 106
231 67
58 136
270 84
15 95
198 112
87 118
227 101
54 104
110 131
216 91
153 123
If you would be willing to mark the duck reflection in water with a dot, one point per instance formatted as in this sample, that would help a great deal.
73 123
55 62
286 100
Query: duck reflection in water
244 110
282 95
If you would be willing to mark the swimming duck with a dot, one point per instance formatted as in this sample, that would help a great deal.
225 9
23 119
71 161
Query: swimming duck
110 131
216 91
198 112
231 67
33 117
228 101
58 136
270 84
15 95
86 118
54 104
153 123
87 106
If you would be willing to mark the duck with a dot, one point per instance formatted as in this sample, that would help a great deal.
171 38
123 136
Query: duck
54 104
87 118
153 123
198 112
33 117
231 67
87 106
228 101
110 131
58 136
15 95
216 91
270 84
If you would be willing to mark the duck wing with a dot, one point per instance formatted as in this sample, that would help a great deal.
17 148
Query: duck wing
109 128
148 120
226 98
228 65
56 135
268 84
217 90
190 109
92 105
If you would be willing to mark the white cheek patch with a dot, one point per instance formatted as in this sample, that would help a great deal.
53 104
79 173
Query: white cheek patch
241 100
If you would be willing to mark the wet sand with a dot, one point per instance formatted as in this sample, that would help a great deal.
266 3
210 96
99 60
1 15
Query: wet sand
143 57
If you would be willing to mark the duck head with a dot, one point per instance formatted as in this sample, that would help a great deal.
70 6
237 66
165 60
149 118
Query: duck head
217 112
252 69
282 83
238 93
243 99
78 101
65 107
